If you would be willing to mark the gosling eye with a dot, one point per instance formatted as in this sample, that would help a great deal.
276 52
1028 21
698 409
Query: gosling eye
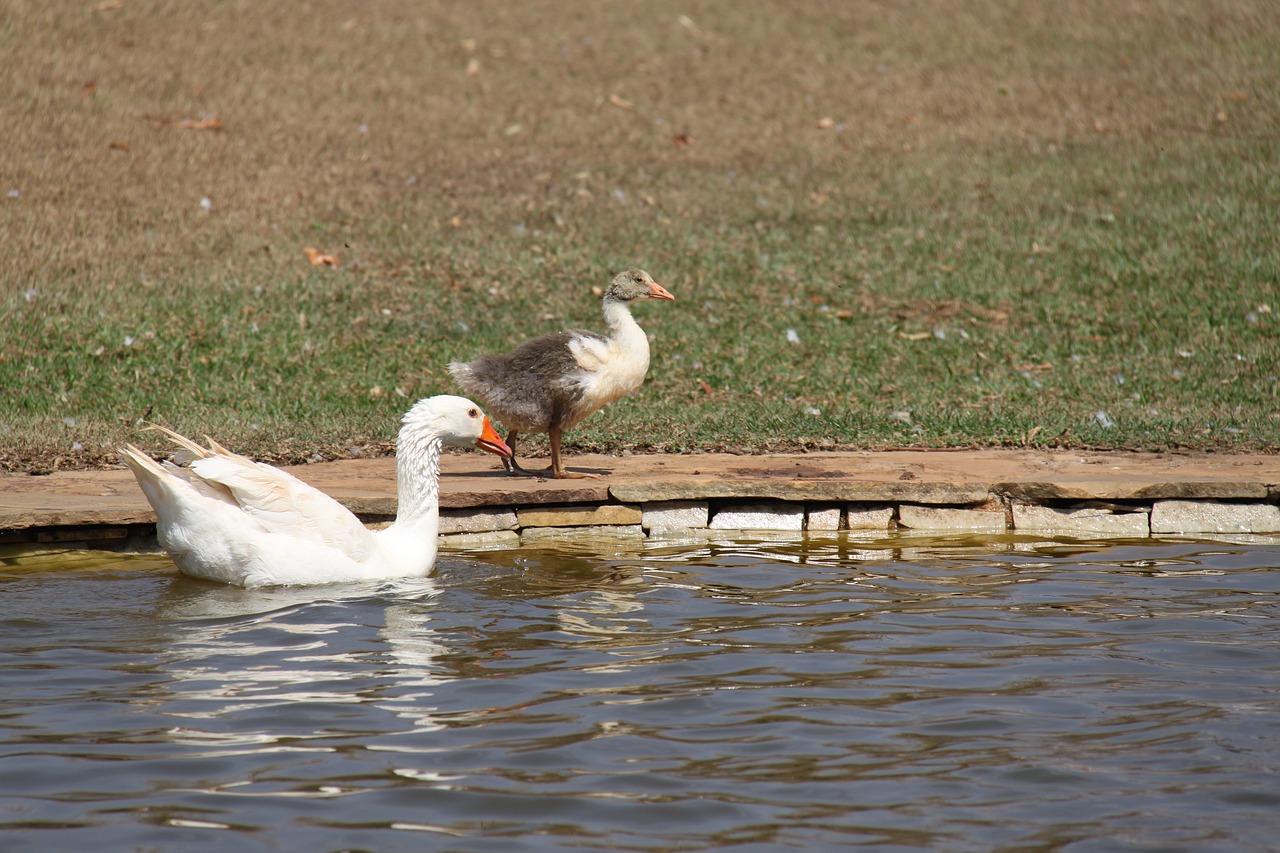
473 413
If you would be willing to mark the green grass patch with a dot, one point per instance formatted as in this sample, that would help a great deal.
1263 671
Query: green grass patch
1060 233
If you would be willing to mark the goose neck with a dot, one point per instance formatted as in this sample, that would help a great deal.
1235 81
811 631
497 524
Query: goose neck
417 476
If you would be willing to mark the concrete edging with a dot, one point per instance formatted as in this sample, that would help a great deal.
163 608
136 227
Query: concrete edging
786 495
668 519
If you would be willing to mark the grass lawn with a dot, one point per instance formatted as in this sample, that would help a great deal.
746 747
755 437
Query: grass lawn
886 224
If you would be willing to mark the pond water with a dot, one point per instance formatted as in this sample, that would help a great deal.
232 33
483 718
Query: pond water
748 696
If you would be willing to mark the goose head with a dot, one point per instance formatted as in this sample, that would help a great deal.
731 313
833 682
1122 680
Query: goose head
455 421
633 284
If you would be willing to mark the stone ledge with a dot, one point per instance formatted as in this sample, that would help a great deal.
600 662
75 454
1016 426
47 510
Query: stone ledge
673 515
755 534
938 518
824 491
681 534
869 517
476 521
478 541
1228 493
760 516
1088 520
1176 516
824 518
543 535
1125 490
580 516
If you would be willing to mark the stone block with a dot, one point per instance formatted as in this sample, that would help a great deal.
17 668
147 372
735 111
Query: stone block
754 534
869 517
824 518
817 491
674 515
580 516
1214 517
1086 520
479 541
679 534
941 518
610 533
476 520
773 515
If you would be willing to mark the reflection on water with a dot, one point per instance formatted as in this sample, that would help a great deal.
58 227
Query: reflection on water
891 693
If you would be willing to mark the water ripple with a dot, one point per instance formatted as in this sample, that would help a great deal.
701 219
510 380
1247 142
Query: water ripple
888 693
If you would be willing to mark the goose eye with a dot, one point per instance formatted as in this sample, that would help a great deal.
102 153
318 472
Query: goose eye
473 413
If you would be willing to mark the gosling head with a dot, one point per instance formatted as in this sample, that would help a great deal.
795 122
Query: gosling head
633 284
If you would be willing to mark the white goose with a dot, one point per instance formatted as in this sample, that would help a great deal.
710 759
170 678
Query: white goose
227 518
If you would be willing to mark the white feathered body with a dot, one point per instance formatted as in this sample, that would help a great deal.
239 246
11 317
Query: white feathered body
613 367
229 519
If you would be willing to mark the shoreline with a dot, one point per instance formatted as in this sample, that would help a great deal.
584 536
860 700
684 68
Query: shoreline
1090 494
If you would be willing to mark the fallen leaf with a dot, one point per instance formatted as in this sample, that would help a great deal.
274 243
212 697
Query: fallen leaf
319 258
89 88
687 22
109 5
473 67
1235 96
117 145
211 123
826 123
915 336
706 389
680 140
621 102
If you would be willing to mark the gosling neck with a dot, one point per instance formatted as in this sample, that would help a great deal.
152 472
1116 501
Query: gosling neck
617 314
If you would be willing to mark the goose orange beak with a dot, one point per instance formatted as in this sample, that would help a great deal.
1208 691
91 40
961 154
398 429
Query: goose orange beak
657 291
490 441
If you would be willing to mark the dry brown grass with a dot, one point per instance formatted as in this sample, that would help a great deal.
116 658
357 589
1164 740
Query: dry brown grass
332 113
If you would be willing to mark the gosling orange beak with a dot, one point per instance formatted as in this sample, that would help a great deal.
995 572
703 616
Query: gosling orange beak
490 441
657 291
